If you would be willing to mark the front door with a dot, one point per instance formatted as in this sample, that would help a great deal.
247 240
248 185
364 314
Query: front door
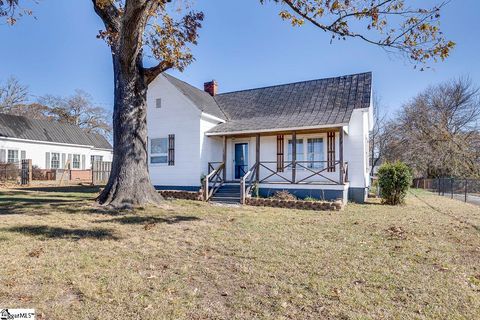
241 160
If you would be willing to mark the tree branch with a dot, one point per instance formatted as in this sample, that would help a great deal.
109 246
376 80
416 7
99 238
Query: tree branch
417 37
151 73
109 14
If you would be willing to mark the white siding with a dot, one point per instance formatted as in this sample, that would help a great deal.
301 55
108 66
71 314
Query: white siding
356 148
36 150
180 117
211 148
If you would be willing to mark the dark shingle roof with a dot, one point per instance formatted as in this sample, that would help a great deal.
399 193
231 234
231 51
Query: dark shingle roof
201 99
41 130
304 104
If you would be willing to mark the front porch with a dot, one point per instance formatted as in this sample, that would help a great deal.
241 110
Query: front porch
307 163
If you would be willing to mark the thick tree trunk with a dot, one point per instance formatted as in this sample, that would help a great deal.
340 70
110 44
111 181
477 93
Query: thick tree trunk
129 184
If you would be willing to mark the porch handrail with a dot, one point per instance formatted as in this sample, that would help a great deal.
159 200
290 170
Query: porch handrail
215 178
246 186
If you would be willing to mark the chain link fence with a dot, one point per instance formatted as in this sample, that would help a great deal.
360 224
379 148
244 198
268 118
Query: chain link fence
467 190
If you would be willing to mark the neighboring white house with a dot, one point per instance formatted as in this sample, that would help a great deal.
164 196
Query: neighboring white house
310 138
50 145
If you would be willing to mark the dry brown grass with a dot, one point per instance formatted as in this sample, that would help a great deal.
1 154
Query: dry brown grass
191 260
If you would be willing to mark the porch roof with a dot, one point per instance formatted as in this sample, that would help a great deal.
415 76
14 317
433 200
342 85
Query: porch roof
310 104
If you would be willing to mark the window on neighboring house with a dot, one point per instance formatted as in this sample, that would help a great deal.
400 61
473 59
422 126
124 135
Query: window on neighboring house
76 161
315 153
299 150
55 160
12 156
158 103
159 151
96 158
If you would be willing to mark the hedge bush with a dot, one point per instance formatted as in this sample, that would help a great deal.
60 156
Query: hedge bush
394 180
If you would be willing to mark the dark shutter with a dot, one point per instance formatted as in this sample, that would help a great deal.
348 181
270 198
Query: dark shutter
331 151
171 149
280 153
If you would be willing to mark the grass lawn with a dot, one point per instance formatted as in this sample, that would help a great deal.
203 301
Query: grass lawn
190 260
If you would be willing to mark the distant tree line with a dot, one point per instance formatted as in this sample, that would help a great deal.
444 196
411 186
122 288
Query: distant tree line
436 133
77 109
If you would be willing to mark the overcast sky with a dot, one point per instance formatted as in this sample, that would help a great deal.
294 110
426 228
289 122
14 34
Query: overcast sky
242 45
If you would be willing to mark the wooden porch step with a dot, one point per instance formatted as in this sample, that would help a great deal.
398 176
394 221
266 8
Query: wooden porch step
228 193
226 199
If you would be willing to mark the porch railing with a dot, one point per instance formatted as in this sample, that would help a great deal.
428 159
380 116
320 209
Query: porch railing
214 180
304 172
246 183
267 172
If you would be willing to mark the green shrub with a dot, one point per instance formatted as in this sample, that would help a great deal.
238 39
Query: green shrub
394 180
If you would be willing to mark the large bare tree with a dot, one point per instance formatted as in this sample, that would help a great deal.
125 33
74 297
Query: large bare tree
378 135
78 109
437 133
136 27
12 93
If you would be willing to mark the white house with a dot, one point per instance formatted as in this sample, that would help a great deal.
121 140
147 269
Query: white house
50 145
310 138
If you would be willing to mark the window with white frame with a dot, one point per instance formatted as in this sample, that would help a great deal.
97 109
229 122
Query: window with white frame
159 151
76 161
95 158
12 156
315 153
55 160
299 152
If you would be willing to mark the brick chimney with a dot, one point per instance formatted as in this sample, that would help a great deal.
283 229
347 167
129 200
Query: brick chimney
211 87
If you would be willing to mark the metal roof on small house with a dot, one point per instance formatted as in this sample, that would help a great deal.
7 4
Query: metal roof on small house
20 127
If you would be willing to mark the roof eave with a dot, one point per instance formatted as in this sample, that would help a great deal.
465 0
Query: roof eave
225 133
54 143
212 117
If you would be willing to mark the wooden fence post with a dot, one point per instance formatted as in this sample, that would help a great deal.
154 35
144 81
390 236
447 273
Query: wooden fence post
25 172
451 185
30 171
93 172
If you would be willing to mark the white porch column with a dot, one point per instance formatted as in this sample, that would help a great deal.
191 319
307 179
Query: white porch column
340 147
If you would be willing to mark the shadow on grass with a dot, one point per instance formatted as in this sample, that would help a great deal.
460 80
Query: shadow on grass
31 205
39 200
63 233
149 219
66 189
